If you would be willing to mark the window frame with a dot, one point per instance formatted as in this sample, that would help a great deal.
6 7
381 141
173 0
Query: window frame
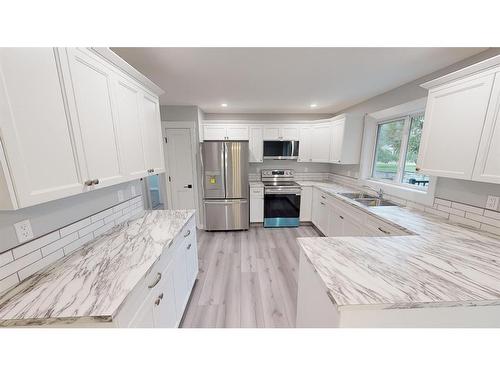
405 138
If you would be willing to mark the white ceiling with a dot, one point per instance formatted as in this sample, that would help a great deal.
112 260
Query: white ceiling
284 80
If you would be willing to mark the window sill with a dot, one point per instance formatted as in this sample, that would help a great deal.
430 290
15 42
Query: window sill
425 197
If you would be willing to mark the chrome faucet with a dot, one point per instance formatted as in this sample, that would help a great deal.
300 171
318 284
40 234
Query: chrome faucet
380 192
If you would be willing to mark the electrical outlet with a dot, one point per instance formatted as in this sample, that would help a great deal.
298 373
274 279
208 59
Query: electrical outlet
23 231
492 202
120 195
132 190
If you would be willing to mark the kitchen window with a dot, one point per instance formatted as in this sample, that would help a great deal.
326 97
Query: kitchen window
396 152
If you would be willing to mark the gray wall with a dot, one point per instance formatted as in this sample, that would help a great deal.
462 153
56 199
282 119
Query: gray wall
468 192
50 216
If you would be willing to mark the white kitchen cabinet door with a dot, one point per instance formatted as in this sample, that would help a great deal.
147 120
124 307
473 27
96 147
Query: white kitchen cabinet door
256 145
335 222
127 98
237 133
337 141
164 309
305 134
454 120
39 163
256 209
191 262
152 135
487 168
271 133
180 281
214 132
144 316
320 143
320 211
92 88
290 132
306 203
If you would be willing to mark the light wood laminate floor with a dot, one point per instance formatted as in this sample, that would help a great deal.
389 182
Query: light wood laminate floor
246 279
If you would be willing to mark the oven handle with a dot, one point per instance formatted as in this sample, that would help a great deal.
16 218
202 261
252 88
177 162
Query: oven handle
281 191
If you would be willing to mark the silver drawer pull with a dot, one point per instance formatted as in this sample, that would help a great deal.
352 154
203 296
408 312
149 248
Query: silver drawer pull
157 302
160 296
189 246
322 203
383 231
341 217
158 278
187 233
323 197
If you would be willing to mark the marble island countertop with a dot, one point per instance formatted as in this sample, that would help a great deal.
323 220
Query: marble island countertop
92 283
437 264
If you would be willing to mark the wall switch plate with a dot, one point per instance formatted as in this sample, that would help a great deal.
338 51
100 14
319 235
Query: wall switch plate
492 202
23 231
120 195
132 190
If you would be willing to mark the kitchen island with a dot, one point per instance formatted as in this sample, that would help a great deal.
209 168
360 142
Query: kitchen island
138 274
432 273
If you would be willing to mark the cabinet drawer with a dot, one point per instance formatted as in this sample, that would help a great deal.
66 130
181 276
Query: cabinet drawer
257 192
378 227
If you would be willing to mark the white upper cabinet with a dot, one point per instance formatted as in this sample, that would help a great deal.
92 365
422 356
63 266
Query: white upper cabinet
130 127
320 144
487 166
454 121
225 132
95 120
256 144
347 135
152 135
305 143
71 121
281 132
38 163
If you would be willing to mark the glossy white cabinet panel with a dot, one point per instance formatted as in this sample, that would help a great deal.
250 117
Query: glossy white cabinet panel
320 143
256 145
153 139
305 144
306 203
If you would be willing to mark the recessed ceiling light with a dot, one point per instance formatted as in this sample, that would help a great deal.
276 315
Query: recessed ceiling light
313 105
224 105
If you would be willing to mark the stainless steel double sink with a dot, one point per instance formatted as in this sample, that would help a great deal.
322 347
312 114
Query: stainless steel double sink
368 200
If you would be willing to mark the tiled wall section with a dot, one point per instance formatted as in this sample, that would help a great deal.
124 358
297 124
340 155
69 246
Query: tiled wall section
299 176
23 261
474 217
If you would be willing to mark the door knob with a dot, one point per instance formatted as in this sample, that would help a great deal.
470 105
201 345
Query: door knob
188 186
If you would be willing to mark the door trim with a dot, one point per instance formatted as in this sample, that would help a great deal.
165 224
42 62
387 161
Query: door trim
191 125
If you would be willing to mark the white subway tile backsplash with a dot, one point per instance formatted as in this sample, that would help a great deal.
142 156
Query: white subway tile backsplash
92 227
442 202
78 243
467 208
25 260
437 212
16 265
29 247
483 219
492 214
8 282
59 244
75 227
6 258
38 265
101 215
490 229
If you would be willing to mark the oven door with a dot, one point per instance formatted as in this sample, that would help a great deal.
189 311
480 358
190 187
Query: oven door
281 207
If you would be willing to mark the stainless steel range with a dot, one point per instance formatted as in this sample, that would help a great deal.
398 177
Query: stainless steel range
281 198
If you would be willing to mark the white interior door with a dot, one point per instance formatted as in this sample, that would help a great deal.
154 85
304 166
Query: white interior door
180 168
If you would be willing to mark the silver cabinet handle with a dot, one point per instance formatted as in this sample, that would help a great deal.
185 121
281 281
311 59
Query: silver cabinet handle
158 278
88 183
157 302
160 296
322 203
188 247
341 217
95 182
323 197
187 233
383 231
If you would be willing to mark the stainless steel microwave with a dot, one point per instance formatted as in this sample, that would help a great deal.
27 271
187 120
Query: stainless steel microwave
281 150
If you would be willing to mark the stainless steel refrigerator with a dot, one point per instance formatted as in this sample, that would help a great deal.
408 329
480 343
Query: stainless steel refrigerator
225 184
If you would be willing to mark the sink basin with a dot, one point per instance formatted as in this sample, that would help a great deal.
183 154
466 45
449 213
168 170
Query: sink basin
358 196
374 202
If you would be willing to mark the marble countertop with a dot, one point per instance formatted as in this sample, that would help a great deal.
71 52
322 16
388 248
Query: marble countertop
437 264
93 282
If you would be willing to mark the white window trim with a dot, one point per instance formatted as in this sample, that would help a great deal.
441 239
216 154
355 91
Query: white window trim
396 189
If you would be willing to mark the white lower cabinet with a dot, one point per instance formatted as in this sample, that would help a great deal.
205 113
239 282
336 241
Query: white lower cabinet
306 203
320 211
161 299
256 204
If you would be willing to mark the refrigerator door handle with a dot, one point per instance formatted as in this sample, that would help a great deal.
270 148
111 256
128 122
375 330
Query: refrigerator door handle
224 162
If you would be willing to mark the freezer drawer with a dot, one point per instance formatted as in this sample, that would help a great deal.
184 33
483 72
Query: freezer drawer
226 214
